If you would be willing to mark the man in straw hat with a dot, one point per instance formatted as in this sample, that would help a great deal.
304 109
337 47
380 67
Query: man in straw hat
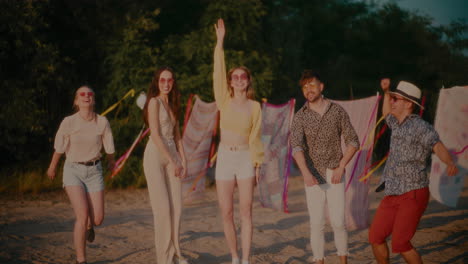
406 180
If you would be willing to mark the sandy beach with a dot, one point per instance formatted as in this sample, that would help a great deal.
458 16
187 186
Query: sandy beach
38 229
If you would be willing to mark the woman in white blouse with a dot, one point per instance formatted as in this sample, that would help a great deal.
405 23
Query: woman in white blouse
81 137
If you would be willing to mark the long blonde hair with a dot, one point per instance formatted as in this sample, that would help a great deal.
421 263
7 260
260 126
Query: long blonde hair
250 91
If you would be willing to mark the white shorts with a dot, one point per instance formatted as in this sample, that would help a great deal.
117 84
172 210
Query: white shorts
234 163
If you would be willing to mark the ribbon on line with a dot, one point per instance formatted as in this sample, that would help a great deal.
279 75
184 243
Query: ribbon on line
112 107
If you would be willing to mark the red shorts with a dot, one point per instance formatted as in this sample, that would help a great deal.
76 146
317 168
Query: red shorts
399 215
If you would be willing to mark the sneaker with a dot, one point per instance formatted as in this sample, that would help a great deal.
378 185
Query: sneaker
179 261
235 261
90 235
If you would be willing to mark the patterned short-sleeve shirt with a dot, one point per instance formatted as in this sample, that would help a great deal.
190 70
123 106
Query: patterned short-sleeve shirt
411 145
319 137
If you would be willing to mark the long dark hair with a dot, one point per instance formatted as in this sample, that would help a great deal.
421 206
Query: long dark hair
153 91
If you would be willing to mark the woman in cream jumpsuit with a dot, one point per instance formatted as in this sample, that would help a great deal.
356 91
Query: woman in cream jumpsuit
164 165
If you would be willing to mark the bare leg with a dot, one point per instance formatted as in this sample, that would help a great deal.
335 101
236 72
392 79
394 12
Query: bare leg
344 259
412 257
79 202
96 208
381 253
246 189
225 190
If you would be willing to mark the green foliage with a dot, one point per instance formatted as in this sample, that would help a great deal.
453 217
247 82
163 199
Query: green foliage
49 48
29 63
29 178
192 53
131 175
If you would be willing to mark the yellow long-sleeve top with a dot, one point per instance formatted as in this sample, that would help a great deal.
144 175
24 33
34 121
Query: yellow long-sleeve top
230 119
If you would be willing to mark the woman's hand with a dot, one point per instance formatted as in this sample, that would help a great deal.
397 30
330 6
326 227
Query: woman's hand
385 84
178 169
51 172
183 174
220 31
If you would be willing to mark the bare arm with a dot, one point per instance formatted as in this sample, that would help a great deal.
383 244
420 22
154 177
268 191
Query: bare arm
52 170
385 85
153 120
220 87
110 161
301 163
296 139
441 151
220 32
340 171
180 148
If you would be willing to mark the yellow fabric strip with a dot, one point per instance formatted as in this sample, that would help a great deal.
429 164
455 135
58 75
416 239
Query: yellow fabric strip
373 170
112 107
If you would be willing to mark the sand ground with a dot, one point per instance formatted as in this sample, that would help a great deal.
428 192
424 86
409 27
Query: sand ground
38 229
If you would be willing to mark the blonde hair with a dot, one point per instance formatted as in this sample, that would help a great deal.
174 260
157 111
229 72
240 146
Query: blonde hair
250 91
76 108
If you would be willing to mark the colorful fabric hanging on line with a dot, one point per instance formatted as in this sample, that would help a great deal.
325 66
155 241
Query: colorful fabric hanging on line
197 141
363 114
273 182
451 122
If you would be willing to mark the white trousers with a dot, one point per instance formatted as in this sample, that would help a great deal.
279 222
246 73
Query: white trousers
334 196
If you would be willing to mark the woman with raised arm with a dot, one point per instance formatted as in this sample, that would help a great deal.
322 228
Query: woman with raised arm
240 151
81 137
164 164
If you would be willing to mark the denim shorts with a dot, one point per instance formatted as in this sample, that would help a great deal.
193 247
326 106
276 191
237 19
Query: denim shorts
89 177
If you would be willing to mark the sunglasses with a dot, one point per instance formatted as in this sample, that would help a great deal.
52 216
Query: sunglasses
241 77
164 81
310 85
395 98
86 93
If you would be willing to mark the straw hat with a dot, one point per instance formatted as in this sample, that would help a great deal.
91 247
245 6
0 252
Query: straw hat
410 92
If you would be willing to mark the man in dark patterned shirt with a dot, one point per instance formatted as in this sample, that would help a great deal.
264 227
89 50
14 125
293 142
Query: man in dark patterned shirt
316 141
406 181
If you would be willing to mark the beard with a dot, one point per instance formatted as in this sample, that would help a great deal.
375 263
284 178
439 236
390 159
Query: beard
313 97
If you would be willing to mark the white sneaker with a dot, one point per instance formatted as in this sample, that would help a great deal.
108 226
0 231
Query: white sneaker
235 261
180 261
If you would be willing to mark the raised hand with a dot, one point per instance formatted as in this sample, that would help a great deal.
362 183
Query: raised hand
385 84
220 31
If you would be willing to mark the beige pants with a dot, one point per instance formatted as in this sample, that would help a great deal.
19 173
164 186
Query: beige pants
166 201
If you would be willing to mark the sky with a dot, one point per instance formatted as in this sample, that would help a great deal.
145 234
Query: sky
443 11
